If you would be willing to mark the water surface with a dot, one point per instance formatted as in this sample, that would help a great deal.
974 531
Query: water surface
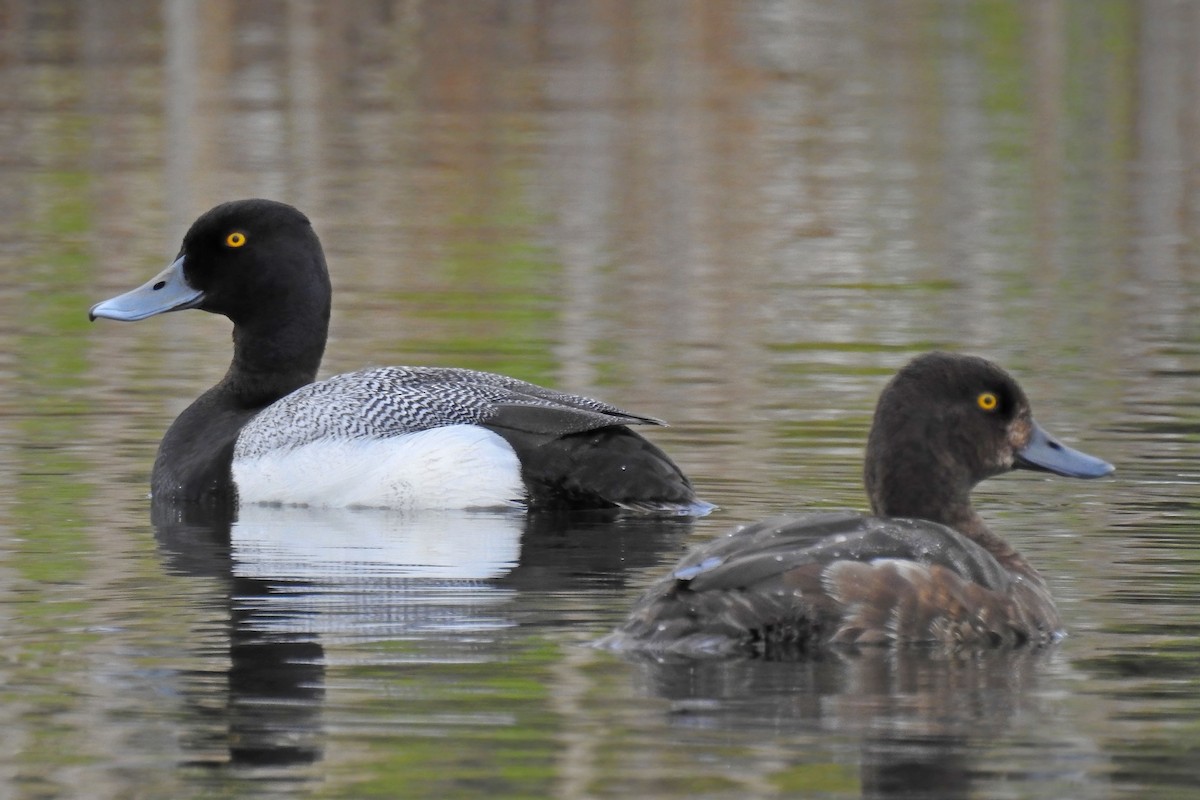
741 217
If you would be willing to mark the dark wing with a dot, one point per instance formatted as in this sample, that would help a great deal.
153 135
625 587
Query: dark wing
539 417
785 585
772 547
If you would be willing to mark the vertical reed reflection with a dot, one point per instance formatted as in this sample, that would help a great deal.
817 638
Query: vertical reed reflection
740 216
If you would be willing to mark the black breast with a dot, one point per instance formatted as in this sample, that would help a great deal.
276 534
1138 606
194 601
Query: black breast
195 457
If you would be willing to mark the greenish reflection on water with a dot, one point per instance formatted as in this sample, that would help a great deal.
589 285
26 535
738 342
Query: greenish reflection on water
739 217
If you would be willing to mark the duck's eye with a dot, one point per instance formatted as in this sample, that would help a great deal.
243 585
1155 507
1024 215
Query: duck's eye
235 239
987 401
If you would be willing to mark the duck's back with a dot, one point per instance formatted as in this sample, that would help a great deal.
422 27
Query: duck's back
783 586
445 437
383 402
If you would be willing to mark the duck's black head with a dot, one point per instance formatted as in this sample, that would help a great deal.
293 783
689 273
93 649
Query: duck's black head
253 261
943 424
258 262
249 255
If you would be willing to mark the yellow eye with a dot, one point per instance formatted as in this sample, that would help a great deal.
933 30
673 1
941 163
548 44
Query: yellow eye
987 401
235 239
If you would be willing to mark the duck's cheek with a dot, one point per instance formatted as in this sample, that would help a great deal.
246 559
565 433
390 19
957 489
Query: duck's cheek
1001 459
1020 431
1016 438
1000 453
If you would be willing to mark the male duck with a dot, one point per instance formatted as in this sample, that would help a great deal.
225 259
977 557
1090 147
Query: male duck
925 568
398 437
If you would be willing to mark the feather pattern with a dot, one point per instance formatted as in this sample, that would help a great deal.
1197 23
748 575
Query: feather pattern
391 401
787 584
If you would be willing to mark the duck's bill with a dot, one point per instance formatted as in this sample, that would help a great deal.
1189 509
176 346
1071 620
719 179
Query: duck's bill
1046 454
166 291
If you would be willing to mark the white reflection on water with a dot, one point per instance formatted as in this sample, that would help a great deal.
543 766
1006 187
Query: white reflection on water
738 216
310 544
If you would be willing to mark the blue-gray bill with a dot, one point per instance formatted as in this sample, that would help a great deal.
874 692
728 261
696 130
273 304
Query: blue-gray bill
1046 454
166 291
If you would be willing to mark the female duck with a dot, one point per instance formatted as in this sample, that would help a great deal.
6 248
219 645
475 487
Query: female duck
925 568
399 437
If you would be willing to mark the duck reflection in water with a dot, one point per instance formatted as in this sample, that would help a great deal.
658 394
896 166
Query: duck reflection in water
924 569
923 720
292 583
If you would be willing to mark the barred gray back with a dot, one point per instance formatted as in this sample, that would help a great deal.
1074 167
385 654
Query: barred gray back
390 401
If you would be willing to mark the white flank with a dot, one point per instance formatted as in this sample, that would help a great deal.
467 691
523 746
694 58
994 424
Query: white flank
452 467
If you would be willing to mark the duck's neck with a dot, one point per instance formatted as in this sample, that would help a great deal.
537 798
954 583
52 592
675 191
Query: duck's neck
942 496
270 361
194 457
974 528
